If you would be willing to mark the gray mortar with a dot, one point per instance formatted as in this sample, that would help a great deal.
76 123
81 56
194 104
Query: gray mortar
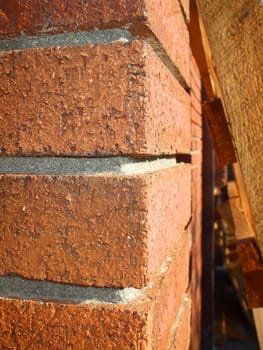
19 288
82 166
93 37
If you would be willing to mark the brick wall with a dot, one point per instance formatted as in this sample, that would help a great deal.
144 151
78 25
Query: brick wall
196 227
98 101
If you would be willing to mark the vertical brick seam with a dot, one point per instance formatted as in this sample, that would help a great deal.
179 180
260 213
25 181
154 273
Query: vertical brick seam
196 224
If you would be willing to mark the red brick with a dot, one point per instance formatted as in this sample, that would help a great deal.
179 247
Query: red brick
111 230
196 117
167 23
196 276
164 18
196 197
195 103
196 172
180 335
170 297
196 273
50 325
196 87
196 213
196 130
173 211
197 157
196 94
196 209
31 16
196 232
43 324
197 144
197 226
197 191
105 99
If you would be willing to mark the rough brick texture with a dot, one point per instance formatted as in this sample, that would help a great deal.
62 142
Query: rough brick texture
109 230
87 100
41 324
164 18
169 294
125 91
180 335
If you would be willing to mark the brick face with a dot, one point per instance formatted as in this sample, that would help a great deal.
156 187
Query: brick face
31 16
196 119
174 210
170 298
88 100
180 335
142 324
164 18
91 230
49 325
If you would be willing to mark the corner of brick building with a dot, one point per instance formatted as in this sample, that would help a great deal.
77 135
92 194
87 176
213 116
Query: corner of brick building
100 176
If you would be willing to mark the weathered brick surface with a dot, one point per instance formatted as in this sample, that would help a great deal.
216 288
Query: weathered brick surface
106 99
170 298
197 157
173 210
196 277
31 16
197 144
195 102
181 331
196 118
51 325
164 18
142 324
196 173
92 230
197 130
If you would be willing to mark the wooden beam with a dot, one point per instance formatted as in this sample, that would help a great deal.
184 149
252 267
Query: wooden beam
243 197
221 138
208 244
235 31
246 247
242 228
258 316
252 270
198 49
